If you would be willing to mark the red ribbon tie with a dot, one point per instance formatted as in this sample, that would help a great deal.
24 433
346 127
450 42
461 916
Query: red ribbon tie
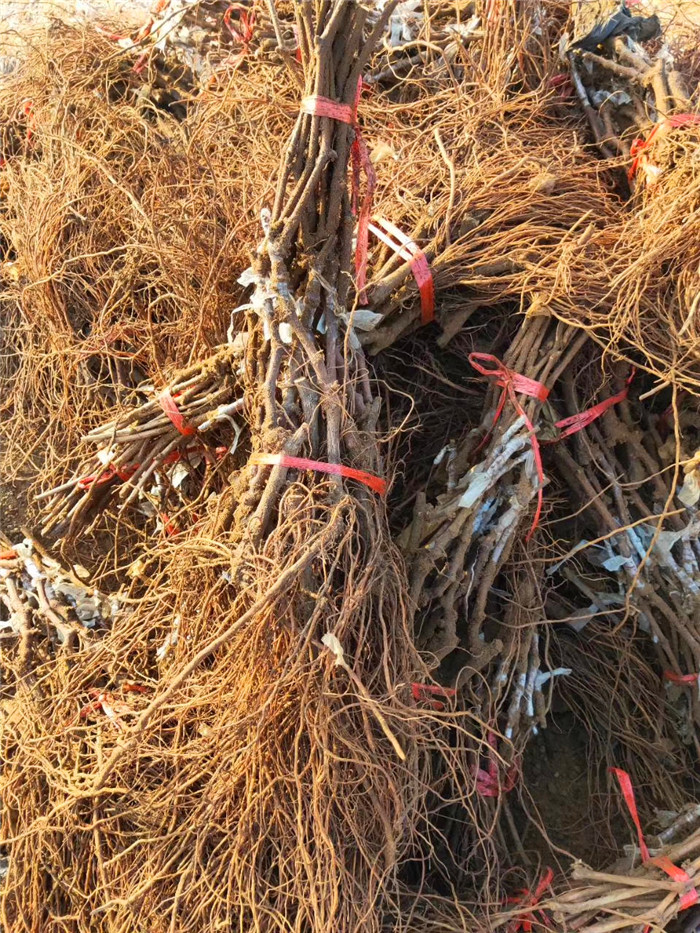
375 483
406 249
169 406
689 896
575 423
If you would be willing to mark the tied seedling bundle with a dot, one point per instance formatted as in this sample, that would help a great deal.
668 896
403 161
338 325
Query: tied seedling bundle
644 120
273 767
247 734
125 221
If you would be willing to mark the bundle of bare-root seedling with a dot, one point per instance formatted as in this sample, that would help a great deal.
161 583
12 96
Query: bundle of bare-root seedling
643 118
275 767
307 703
154 451
627 897
124 226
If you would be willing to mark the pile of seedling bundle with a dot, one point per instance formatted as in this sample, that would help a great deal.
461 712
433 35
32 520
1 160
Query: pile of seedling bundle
350 430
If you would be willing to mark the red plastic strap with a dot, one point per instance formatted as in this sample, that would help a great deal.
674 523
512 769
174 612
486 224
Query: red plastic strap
488 783
145 31
141 62
111 36
159 7
507 379
406 249
318 106
562 82
576 423
375 483
246 20
530 899
169 527
169 406
125 474
640 144
628 794
690 679
687 898
427 692
101 478
513 383
545 881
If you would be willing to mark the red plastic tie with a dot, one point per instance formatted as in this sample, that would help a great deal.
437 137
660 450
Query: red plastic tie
488 783
111 36
628 793
246 21
318 106
531 900
576 423
406 249
562 83
125 474
101 479
169 406
375 483
428 692
692 680
686 898
241 34
169 527
513 384
640 144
